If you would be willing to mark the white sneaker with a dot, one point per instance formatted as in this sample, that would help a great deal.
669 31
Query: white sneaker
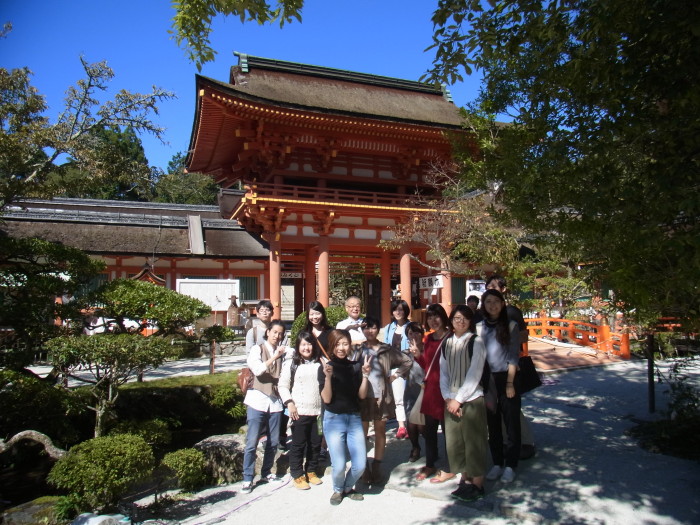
271 478
247 487
508 475
494 473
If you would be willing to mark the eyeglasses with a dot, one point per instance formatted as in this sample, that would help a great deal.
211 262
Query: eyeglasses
264 310
460 319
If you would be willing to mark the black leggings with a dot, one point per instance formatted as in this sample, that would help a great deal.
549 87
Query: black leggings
507 409
431 441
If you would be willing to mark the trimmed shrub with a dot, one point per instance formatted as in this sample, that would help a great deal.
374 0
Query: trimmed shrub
156 432
97 472
228 399
218 333
189 466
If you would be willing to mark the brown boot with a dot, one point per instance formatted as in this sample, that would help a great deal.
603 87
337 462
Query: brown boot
377 477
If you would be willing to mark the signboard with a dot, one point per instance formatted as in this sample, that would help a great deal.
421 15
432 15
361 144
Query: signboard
430 282
291 275
214 292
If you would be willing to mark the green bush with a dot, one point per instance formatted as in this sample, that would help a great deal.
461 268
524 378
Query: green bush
156 432
28 403
189 466
684 403
218 333
335 314
97 472
228 399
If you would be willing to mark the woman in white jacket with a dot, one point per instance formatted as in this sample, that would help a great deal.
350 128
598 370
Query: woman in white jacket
298 387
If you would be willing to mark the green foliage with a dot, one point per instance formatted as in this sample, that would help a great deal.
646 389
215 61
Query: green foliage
684 402
31 146
199 381
23 132
455 228
192 21
155 432
345 280
124 158
153 305
546 282
98 471
30 403
183 187
335 314
218 333
678 434
32 273
601 157
68 507
110 358
227 398
189 466
111 361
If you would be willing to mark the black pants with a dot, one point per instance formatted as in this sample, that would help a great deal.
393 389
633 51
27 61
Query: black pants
306 444
284 420
507 409
431 441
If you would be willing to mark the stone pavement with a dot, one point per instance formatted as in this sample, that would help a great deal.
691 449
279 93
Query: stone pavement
586 470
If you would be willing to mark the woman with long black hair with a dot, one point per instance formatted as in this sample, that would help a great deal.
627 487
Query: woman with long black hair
317 325
502 341
298 387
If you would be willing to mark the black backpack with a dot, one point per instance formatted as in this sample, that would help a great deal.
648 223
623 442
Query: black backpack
293 371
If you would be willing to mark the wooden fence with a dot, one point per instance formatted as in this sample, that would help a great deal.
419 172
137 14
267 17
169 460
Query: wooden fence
600 337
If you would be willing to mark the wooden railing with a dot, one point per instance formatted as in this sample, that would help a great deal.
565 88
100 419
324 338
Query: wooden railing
599 337
328 195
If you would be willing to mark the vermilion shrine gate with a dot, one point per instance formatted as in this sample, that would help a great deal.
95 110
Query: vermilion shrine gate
320 163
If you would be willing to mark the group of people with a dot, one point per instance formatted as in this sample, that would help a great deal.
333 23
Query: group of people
459 372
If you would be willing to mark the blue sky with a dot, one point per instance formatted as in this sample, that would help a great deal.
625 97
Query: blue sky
382 37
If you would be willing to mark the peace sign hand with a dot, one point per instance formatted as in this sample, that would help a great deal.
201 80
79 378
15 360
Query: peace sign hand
414 348
366 367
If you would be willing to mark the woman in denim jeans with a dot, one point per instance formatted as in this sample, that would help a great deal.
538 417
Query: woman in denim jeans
342 384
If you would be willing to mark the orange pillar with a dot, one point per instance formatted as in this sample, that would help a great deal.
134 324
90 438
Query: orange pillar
310 276
625 344
604 338
446 289
405 275
276 277
323 271
385 270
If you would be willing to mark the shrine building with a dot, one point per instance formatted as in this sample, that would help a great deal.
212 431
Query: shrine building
321 163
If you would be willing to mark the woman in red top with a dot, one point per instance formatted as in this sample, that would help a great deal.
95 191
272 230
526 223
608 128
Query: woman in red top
433 406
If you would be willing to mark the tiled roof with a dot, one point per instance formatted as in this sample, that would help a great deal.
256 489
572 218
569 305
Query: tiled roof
116 227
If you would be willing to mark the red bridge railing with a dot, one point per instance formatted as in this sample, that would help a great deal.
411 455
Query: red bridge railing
600 337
